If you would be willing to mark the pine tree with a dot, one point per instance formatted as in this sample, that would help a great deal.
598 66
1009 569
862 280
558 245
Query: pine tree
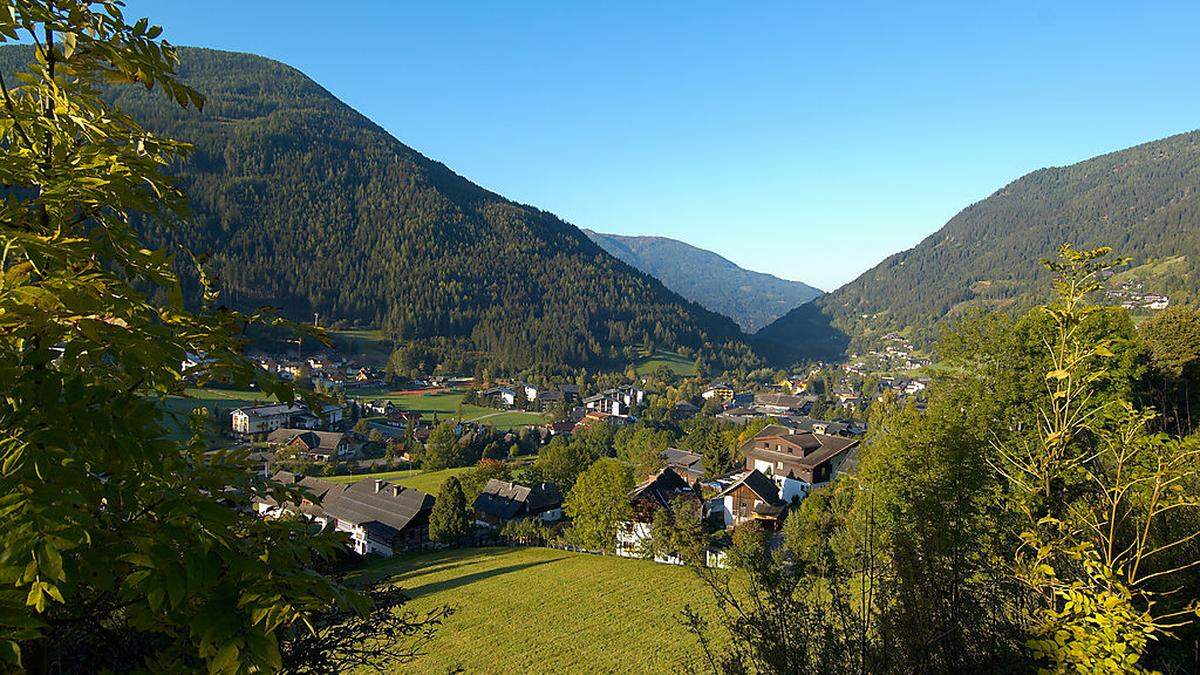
450 522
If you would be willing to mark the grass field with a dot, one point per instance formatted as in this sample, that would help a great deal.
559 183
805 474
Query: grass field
679 365
367 345
425 481
445 406
542 610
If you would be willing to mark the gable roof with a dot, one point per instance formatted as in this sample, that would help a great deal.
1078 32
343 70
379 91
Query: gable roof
313 440
505 500
662 487
385 507
758 483
778 443
683 460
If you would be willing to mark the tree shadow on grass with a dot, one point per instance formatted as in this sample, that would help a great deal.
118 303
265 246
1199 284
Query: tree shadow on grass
416 591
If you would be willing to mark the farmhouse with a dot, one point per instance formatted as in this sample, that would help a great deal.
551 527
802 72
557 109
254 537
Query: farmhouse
380 517
309 506
664 490
502 501
752 497
796 461
316 446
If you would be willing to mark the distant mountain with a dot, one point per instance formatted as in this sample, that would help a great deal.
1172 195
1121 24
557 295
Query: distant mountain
1143 201
306 204
752 299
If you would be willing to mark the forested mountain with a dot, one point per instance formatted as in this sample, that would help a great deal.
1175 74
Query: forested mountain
1143 201
306 204
752 299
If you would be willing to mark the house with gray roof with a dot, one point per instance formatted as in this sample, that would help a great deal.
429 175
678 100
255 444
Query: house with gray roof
502 501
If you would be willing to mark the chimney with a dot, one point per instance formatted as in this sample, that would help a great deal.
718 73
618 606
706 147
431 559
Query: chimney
378 485
396 490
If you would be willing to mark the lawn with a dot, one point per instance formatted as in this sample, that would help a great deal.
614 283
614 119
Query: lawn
544 610
445 406
678 364
425 481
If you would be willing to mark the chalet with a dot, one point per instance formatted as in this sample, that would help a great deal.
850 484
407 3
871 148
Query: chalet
796 461
737 415
722 391
597 417
664 490
752 497
689 465
502 501
317 446
380 517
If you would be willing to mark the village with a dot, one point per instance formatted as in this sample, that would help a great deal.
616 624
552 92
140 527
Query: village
344 454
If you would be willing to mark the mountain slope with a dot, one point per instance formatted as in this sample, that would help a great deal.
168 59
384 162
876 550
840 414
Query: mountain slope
306 204
752 299
1143 201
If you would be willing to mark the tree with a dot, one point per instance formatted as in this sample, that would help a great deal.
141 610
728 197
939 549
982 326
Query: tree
1107 509
115 545
442 450
599 502
450 521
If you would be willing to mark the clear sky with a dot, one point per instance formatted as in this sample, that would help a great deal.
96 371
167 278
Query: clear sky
805 139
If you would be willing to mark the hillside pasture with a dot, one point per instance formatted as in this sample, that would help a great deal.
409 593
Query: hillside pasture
677 363
545 610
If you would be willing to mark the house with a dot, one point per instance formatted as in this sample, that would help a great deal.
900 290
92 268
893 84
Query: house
722 391
502 501
783 403
689 465
684 410
737 415
664 490
380 517
796 461
380 407
505 397
619 401
259 420
532 392
309 506
317 446
752 497
597 417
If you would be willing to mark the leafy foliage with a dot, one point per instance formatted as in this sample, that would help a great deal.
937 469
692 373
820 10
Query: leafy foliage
598 503
119 548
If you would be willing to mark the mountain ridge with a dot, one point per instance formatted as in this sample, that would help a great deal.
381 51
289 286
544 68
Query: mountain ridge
1143 201
752 299
306 204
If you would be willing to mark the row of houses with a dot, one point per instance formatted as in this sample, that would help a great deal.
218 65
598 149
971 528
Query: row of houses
782 466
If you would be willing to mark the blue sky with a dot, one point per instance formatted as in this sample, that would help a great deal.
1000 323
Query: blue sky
805 139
